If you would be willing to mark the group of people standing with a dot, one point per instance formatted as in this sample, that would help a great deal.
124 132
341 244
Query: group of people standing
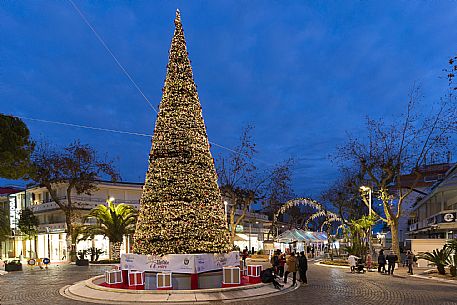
283 265
390 260
384 260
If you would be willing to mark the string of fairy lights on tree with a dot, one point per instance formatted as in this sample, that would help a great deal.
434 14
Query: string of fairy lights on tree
181 207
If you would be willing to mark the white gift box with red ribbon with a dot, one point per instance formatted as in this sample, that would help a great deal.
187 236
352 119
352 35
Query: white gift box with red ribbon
254 270
113 276
136 278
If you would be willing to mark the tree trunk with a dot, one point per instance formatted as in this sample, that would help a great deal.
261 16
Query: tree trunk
115 250
395 239
70 239
35 246
441 269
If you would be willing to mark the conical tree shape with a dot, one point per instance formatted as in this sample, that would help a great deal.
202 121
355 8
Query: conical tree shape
181 207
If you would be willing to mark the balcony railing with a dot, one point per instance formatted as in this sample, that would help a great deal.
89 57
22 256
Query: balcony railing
80 202
448 216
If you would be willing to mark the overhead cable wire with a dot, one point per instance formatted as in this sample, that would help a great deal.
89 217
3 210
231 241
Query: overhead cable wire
85 126
111 53
132 133
124 70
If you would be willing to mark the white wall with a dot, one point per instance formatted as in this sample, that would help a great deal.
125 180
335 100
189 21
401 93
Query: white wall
419 246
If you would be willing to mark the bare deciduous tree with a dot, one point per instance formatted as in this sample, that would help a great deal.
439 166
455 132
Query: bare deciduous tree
77 167
242 184
392 149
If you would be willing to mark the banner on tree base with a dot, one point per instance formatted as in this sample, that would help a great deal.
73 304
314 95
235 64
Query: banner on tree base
180 263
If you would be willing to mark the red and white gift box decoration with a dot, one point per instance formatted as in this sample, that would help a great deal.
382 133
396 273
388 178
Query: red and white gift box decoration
254 270
136 278
113 277
164 280
231 275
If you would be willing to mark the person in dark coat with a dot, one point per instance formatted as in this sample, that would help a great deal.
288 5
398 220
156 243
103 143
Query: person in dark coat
410 261
267 276
303 267
244 255
381 261
275 261
391 258
282 263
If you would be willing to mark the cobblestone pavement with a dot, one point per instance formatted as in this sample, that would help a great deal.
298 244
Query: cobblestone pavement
327 286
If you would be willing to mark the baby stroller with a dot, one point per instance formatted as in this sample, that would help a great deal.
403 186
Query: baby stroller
360 267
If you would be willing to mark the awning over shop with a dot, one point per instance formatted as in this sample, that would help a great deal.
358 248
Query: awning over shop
241 237
302 236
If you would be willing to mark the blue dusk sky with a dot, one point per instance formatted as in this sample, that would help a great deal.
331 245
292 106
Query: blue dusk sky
304 73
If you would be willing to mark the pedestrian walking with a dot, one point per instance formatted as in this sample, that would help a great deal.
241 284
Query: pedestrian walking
369 261
352 259
391 258
291 262
303 267
244 256
410 257
275 261
282 263
381 261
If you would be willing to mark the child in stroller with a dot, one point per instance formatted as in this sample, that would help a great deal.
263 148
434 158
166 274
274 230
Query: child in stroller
360 267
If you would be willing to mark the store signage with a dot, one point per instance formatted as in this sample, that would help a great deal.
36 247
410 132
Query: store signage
46 261
448 217
31 262
180 263
14 212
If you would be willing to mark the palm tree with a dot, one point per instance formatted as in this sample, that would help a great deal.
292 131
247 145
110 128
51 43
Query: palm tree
438 258
113 221
452 259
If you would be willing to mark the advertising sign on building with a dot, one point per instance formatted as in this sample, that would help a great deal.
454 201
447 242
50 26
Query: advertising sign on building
14 212
448 217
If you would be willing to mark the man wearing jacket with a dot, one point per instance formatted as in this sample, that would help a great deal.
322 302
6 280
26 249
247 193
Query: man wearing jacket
303 267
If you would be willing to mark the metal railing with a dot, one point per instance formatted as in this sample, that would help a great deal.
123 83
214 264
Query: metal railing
83 202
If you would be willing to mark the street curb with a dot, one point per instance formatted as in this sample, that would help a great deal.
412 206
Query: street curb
200 296
332 266
432 278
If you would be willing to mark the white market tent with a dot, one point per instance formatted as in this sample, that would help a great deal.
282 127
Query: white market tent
301 238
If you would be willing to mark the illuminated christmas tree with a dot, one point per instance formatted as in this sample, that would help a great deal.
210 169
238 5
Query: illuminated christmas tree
181 207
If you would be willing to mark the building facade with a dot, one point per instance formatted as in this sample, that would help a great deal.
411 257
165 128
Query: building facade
254 229
429 176
10 210
51 239
434 216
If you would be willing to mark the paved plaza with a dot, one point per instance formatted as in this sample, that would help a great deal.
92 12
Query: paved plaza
327 286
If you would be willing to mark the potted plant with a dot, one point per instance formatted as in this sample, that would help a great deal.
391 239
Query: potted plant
14 265
452 259
452 262
95 254
438 258
81 258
